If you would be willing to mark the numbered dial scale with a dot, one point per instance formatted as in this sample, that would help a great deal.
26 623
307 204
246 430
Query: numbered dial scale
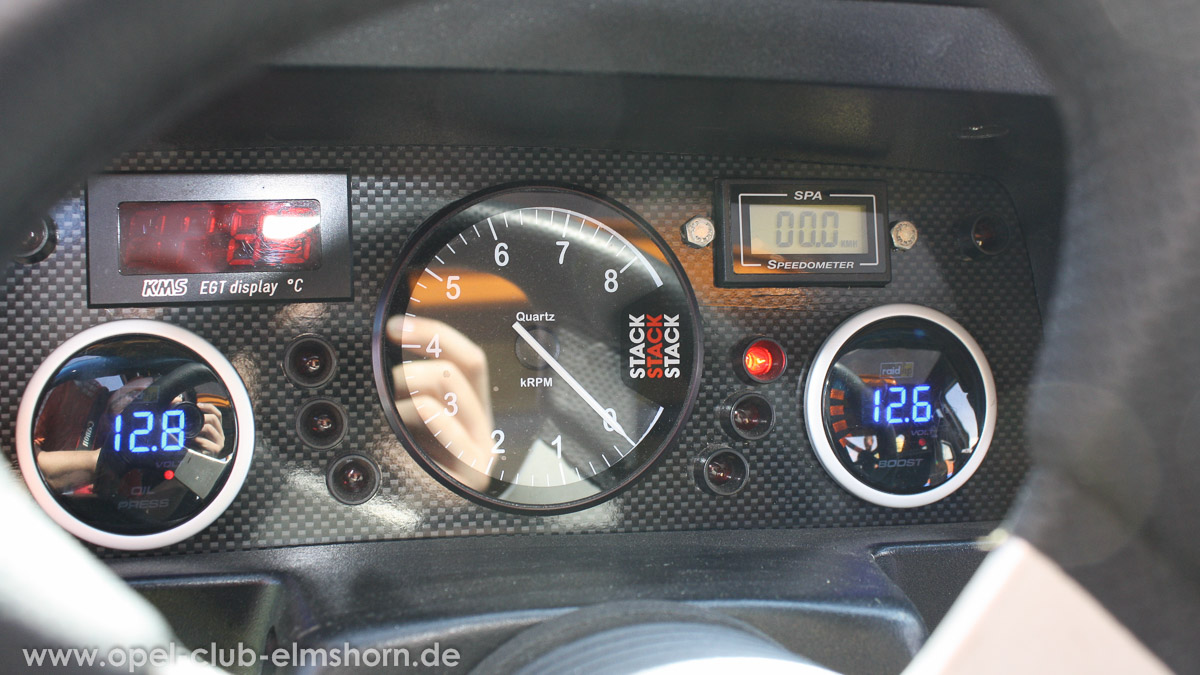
900 405
536 348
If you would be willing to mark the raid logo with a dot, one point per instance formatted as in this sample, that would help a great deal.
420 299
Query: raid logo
164 288
654 347
900 371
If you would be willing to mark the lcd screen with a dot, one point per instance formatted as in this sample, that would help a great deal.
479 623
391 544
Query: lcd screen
785 229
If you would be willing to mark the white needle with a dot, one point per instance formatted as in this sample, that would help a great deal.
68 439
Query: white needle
609 419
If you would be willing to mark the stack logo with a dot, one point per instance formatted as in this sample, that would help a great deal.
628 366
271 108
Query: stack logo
654 347
164 288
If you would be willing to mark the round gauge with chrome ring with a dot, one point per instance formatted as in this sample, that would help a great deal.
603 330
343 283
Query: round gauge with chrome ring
900 405
536 347
135 434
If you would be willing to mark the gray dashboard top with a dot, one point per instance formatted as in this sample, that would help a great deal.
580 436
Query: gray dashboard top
824 41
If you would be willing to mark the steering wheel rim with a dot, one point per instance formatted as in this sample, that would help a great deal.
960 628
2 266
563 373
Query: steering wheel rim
1111 496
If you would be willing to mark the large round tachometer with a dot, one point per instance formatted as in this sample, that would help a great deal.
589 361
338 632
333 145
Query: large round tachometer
536 348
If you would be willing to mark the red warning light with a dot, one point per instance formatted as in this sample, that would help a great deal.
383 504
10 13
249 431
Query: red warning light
763 360
758 360
168 474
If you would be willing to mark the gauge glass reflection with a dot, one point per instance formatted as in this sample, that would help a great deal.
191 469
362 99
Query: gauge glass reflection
134 435
904 405
537 348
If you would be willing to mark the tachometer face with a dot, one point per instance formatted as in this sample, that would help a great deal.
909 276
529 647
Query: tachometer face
536 348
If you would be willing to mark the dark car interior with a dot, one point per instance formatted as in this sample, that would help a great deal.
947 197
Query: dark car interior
320 321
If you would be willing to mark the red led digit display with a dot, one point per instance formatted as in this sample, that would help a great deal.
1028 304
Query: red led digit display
219 236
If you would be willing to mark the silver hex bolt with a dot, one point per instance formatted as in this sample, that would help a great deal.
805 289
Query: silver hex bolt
904 235
699 232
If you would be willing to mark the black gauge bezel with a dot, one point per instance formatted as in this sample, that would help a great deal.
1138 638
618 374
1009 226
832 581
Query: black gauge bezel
453 220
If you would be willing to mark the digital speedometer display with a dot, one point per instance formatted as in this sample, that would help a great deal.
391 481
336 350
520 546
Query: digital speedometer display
536 348
786 228
775 233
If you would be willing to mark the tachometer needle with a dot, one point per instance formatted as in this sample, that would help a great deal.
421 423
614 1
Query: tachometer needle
609 419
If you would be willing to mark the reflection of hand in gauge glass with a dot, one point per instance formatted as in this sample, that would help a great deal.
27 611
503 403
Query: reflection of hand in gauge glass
448 394
211 438
133 432
537 348
68 456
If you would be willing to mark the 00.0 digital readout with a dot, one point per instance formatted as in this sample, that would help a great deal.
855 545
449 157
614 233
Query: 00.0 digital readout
786 229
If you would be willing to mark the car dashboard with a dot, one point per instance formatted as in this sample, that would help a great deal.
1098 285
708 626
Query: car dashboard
962 152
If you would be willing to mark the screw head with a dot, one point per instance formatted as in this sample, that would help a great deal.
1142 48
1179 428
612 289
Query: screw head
699 232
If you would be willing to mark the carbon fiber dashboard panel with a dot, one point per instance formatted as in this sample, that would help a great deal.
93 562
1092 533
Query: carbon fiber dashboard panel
392 190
